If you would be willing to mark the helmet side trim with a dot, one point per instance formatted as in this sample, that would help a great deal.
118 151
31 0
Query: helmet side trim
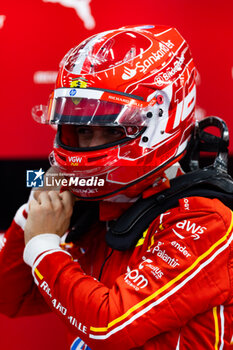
162 167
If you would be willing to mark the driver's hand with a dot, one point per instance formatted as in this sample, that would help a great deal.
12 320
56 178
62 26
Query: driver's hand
49 213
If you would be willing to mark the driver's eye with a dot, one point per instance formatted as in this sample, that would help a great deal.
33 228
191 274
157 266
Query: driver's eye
116 132
84 130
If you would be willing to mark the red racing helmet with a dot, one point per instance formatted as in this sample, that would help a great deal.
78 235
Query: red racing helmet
139 78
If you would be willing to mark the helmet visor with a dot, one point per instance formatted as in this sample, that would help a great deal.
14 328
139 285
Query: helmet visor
86 107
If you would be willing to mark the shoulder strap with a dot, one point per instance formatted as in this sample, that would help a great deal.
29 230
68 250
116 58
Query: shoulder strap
209 182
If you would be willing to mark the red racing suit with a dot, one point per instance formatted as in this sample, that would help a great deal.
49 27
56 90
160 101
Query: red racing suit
173 290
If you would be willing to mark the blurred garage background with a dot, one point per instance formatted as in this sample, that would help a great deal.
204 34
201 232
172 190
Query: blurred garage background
34 36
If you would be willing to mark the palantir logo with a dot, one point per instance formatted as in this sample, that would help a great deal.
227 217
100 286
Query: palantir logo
35 178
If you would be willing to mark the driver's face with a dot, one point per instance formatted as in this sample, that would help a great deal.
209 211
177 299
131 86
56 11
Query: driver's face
91 136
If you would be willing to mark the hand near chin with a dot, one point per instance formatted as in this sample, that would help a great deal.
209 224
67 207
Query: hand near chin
51 172
50 213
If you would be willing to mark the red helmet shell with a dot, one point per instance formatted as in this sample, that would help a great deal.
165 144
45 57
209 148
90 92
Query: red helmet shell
147 66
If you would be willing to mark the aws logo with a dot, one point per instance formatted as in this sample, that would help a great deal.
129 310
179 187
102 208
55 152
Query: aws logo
187 226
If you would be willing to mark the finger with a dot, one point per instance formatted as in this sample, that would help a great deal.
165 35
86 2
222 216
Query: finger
56 200
44 199
67 200
54 173
36 194
33 202
66 197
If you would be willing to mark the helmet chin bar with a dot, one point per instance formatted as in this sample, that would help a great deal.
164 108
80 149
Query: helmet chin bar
203 141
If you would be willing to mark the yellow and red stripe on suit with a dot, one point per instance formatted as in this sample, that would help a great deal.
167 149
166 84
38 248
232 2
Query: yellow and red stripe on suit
172 291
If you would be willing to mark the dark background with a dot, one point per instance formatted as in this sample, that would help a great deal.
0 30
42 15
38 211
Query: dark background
13 185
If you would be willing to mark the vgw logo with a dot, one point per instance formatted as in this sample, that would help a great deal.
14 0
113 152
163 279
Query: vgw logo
35 178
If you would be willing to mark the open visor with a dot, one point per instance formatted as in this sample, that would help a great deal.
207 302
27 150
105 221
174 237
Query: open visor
91 107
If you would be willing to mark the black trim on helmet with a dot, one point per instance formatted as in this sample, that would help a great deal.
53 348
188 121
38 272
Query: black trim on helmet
118 93
108 90
84 119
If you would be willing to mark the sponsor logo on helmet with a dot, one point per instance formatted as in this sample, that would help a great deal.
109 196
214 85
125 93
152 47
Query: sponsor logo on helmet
128 73
78 83
142 66
124 100
165 77
73 92
74 159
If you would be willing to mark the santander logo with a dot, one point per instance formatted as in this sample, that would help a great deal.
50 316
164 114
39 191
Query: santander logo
142 66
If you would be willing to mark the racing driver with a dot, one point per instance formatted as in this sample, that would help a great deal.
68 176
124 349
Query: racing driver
134 249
